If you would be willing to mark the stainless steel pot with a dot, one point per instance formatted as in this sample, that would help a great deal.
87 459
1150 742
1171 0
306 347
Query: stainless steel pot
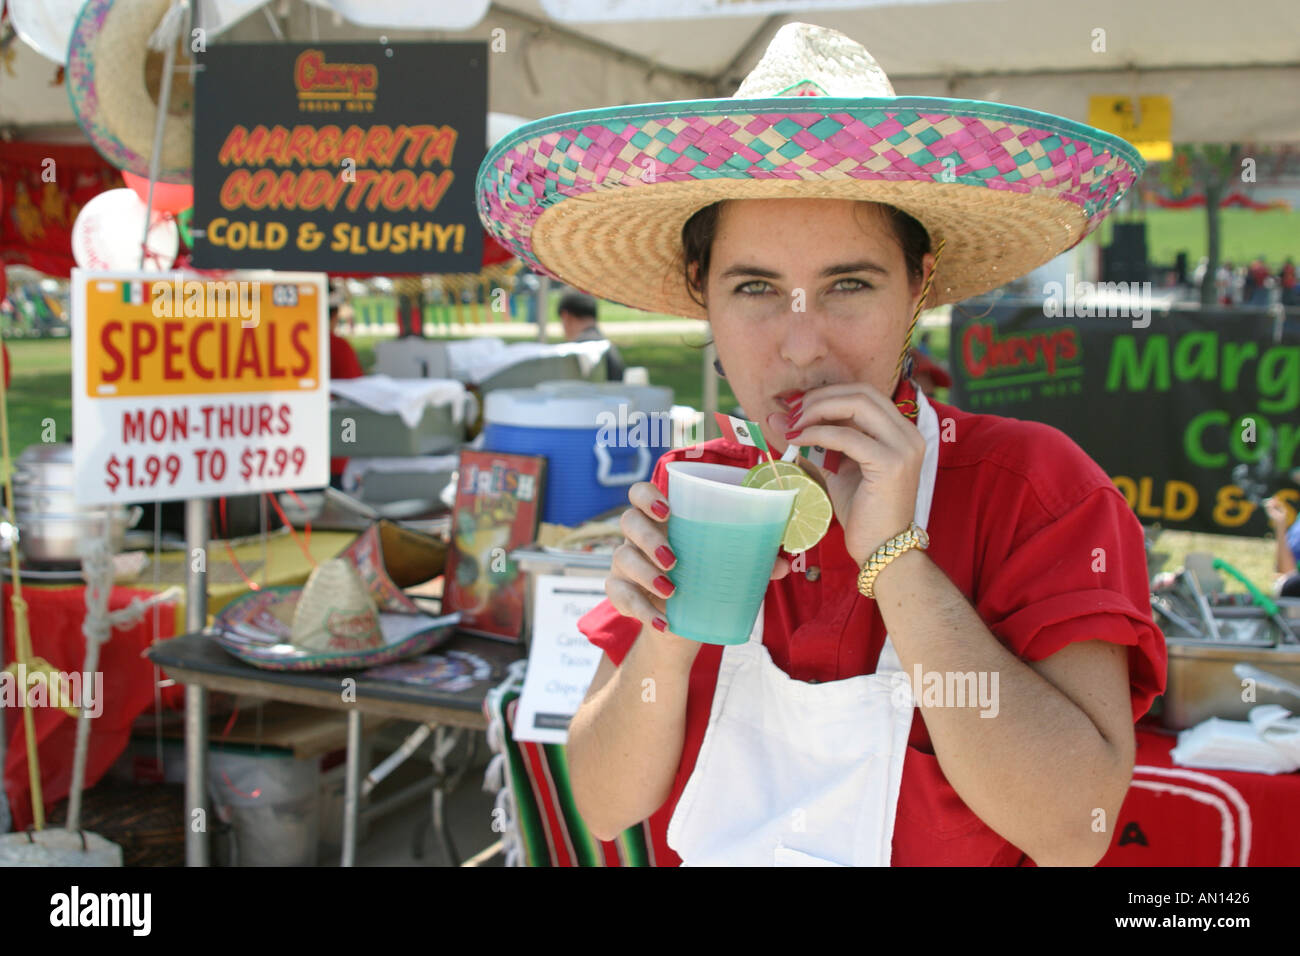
47 465
51 525
58 538
42 499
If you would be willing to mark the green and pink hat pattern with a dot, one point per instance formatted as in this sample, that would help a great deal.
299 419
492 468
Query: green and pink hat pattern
926 139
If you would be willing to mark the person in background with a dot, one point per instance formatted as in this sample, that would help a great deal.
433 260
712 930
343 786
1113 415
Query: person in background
343 364
343 357
1257 282
1288 545
578 316
928 373
1224 280
1286 277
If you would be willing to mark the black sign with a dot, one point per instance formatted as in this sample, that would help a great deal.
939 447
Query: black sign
1193 413
339 157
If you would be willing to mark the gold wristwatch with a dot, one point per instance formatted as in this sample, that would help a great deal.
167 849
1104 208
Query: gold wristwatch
913 536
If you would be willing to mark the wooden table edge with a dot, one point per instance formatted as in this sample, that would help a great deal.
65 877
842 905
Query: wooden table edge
400 710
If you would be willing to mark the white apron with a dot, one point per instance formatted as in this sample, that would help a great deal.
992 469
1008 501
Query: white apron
800 774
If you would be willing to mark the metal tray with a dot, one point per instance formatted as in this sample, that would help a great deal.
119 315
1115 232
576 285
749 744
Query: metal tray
1201 683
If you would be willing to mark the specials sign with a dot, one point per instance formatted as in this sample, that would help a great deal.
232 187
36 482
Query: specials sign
197 388
339 157
1183 410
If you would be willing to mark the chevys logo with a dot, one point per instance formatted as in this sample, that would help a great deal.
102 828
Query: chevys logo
317 79
985 353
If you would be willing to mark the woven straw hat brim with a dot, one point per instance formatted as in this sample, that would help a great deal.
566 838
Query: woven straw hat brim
106 87
598 198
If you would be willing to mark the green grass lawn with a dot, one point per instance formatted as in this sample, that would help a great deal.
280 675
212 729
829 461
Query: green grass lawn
1244 235
42 388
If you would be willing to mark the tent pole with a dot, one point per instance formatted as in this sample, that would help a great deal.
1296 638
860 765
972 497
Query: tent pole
543 305
710 429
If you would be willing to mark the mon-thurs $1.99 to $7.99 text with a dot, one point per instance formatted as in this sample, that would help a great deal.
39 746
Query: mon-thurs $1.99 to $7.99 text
204 400
154 467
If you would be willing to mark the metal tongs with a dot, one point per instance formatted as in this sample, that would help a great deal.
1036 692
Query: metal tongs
1267 680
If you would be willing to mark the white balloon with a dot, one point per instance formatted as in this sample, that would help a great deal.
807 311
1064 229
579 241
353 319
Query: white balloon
45 25
106 235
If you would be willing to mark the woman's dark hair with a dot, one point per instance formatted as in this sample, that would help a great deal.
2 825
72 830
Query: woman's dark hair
700 229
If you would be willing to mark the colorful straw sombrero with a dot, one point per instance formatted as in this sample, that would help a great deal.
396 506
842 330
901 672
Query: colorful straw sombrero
598 198
109 86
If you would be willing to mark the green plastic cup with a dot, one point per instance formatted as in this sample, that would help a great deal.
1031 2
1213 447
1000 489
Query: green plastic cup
726 539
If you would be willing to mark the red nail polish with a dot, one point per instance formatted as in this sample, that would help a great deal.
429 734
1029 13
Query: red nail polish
659 624
665 556
660 509
796 405
792 435
664 586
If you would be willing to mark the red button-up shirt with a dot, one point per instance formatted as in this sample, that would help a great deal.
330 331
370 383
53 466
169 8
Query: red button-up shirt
1019 512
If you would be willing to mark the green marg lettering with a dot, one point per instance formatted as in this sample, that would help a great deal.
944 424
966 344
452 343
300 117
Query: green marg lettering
1196 356
1279 372
1202 356
1134 373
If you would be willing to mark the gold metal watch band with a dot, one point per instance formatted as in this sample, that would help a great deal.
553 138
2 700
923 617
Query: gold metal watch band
912 537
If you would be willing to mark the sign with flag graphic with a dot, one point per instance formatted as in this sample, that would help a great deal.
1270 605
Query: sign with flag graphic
195 388
826 458
741 431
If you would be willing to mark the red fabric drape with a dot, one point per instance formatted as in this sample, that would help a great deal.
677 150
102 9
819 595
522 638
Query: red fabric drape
55 616
44 186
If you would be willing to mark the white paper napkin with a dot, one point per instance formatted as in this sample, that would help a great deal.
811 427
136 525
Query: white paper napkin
1269 742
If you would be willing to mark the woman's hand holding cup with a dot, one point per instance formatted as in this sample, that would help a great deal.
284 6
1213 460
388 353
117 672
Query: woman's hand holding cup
639 582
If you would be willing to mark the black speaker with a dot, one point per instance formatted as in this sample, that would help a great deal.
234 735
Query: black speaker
1125 259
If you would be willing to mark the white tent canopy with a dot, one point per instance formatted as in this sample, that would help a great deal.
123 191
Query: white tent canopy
1232 72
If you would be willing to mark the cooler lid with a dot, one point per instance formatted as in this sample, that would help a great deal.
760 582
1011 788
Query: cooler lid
532 408
645 398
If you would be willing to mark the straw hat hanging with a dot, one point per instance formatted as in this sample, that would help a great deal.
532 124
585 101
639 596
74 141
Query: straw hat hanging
114 78
598 198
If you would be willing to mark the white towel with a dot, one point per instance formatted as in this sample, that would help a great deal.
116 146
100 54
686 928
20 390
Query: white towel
407 397
433 464
1269 742
479 367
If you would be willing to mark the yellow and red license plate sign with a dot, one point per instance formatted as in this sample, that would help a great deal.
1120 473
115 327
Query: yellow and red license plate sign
1145 121
188 387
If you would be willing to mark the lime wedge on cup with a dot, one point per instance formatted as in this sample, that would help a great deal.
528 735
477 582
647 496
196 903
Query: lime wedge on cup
765 471
811 514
